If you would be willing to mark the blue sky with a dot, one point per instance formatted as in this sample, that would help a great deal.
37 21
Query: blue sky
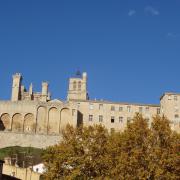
130 49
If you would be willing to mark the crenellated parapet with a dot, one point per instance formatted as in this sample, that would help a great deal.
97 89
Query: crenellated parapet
20 93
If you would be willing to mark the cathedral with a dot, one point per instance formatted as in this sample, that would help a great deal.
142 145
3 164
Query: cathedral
35 112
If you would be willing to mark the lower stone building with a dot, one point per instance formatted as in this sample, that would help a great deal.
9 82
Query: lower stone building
5 176
35 112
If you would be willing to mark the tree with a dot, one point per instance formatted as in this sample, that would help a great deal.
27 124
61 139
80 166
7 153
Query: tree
164 150
131 150
140 152
80 154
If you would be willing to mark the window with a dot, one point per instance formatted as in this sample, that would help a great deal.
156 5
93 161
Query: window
176 116
121 119
147 109
91 106
79 85
90 117
128 120
128 108
175 98
112 108
169 97
74 85
100 118
140 109
100 106
158 111
120 109
78 105
112 119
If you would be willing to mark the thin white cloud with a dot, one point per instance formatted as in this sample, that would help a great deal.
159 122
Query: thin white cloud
173 35
151 10
131 12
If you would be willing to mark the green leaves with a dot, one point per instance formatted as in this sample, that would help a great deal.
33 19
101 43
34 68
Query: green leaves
140 152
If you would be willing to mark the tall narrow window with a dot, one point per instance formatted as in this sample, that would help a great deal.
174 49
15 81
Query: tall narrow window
90 117
100 106
100 118
175 98
112 108
158 111
79 85
128 108
112 119
121 119
140 109
120 109
74 85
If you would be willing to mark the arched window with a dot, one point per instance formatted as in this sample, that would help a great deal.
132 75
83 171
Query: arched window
74 85
79 85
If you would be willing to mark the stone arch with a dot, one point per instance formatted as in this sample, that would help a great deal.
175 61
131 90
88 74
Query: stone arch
29 123
41 120
54 119
17 122
5 122
65 118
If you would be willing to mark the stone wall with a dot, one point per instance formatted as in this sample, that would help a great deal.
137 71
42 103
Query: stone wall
27 140
36 117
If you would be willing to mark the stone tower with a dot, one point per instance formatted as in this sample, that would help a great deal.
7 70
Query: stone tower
44 96
78 87
16 87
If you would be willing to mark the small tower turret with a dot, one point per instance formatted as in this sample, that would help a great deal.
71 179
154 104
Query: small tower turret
44 95
31 89
16 87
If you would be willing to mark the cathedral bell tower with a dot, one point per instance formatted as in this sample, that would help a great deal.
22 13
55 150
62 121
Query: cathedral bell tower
78 87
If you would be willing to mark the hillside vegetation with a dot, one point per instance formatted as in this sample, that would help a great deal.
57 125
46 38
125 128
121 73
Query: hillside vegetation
25 156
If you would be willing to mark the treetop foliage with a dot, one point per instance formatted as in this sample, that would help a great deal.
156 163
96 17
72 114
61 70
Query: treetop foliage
140 152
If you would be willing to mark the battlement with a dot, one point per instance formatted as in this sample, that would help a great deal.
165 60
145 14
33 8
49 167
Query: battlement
19 92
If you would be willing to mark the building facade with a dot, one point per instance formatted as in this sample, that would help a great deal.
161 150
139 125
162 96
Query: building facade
36 112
